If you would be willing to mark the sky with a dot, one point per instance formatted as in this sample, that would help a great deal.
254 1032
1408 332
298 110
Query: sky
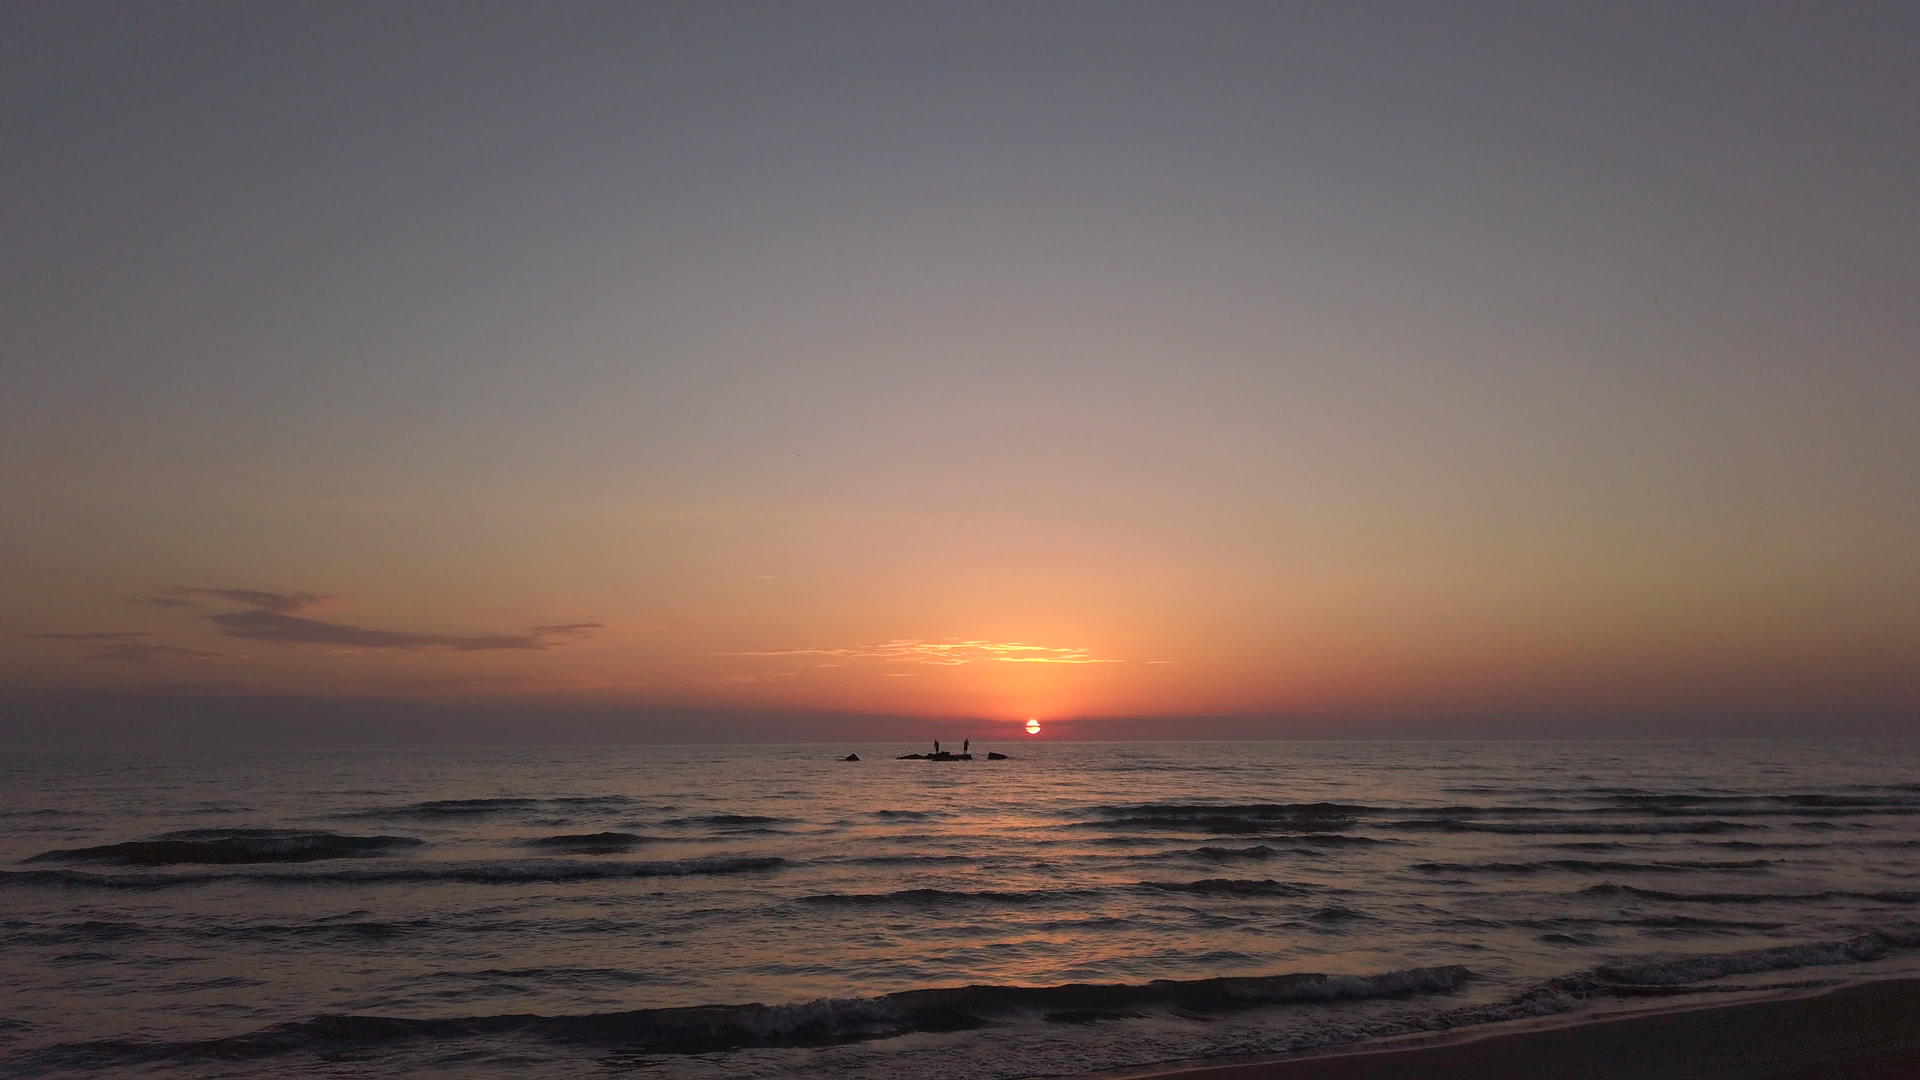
806 370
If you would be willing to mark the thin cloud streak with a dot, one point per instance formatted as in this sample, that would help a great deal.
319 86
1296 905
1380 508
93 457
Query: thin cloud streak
126 646
949 653
772 676
272 619
294 630
571 630
141 653
253 598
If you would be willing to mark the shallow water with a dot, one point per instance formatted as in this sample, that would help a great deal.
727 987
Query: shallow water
772 911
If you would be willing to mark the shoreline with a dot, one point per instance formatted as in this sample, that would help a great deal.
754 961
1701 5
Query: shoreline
1860 1031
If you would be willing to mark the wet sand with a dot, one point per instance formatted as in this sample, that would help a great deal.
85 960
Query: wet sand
1869 1031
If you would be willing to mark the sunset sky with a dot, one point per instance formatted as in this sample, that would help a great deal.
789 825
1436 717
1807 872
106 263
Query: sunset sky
711 370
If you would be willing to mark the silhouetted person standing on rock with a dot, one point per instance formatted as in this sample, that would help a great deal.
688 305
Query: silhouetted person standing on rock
966 746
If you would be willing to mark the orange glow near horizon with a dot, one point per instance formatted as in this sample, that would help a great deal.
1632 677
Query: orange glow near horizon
1115 632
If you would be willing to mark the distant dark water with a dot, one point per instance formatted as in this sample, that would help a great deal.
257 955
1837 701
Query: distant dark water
773 912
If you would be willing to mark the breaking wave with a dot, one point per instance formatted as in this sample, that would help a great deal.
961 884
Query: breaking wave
1694 969
825 1022
703 1029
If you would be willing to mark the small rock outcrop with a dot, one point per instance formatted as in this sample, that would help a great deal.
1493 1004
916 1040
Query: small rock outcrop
991 756
851 757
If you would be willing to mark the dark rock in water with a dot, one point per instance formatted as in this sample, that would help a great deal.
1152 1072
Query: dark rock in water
911 757
963 757
996 757
851 757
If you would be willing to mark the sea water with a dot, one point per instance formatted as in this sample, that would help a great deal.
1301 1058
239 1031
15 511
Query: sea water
775 912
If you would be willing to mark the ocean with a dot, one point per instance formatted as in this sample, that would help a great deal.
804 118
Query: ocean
771 911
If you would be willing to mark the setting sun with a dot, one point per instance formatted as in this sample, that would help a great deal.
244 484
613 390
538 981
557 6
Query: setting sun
1033 727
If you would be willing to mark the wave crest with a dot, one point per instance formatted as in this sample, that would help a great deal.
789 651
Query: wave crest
1615 889
215 847
1593 866
600 843
825 1022
1693 969
486 873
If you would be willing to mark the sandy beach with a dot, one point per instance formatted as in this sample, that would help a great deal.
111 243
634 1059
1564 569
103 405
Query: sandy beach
1868 1031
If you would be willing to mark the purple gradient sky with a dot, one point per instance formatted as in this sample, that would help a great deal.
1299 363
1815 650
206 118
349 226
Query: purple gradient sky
1408 368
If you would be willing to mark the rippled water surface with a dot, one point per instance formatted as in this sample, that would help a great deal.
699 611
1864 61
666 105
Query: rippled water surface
772 911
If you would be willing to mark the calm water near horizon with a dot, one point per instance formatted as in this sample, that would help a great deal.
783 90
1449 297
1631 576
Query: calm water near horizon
707 911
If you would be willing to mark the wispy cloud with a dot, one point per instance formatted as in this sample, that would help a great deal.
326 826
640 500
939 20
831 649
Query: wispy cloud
272 618
140 652
950 652
127 646
294 630
163 601
771 676
253 598
569 630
